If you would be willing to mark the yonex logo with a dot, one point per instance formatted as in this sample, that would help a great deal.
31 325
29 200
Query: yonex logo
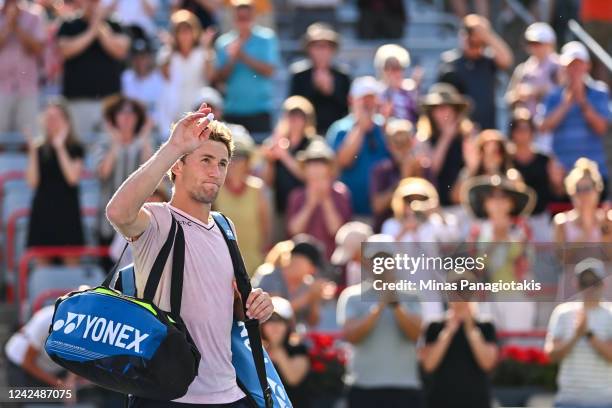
99 329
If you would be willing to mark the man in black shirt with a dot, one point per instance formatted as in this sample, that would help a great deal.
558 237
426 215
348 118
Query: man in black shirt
93 47
473 68
317 79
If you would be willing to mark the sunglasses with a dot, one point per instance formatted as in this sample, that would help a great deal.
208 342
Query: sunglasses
581 189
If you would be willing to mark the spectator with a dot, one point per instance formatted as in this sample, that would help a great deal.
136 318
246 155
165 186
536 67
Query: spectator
204 10
124 147
289 355
137 16
381 19
143 80
264 14
539 171
187 65
323 205
22 37
458 354
577 113
533 79
295 276
382 367
359 142
282 172
247 58
585 222
446 128
415 214
596 16
579 335
93 46
487 155
318 79
391 62
244 201
386 175
309 12
348 250
28 363
501 203
55 163
472 69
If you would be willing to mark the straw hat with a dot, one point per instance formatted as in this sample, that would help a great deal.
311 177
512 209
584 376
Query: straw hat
445 94
318 149
415 186
478 188
321 32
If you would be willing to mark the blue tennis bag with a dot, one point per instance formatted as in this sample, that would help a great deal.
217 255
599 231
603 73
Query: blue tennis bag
255 372
127 344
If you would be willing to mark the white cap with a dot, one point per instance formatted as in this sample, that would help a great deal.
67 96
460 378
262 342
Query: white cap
541 33
593 264
574 50
348 240
210 96
365 85
282 307
384 243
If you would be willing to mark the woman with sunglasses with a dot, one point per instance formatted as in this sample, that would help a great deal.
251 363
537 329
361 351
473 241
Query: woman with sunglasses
289 355
585 222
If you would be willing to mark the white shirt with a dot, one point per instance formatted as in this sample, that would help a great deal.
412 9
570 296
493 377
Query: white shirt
584 375
148 90
34 334
187 78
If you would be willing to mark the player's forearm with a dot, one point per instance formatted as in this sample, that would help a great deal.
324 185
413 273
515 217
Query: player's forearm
123 208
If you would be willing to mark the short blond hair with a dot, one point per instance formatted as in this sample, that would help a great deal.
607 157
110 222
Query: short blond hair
219 133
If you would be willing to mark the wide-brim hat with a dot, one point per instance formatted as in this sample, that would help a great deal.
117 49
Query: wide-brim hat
445 94
476 189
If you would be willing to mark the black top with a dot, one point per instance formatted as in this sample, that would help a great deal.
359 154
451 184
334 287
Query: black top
458 382
392 7
298 394
474 78
56 216
451 167
284 180
328 108
535 175
93 73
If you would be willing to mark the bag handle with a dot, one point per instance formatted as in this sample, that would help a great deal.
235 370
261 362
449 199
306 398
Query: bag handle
111 275
244 288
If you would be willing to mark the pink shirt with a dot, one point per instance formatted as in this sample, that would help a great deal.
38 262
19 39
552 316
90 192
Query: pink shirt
207 303
19 69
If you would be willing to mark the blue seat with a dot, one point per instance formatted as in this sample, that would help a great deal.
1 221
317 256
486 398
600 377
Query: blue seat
13 161
42 279
12 140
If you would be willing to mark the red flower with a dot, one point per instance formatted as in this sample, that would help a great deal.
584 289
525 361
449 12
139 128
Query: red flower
318 367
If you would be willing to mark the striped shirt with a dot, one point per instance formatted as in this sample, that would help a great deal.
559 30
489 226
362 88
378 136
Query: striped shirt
584 375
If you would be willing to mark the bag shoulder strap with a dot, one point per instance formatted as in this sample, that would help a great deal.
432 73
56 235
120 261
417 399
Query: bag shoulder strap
244 287
175 238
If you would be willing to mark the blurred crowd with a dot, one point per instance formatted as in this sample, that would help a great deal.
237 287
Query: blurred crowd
343 161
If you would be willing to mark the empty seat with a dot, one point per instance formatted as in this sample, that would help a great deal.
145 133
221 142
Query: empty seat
45 278
12 140
12 161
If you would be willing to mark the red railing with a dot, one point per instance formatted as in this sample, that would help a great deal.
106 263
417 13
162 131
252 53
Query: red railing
36 252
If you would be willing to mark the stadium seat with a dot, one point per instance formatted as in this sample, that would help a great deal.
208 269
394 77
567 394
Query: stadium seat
12 161
12 141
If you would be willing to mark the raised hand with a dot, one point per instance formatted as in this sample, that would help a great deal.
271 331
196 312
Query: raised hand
192 131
